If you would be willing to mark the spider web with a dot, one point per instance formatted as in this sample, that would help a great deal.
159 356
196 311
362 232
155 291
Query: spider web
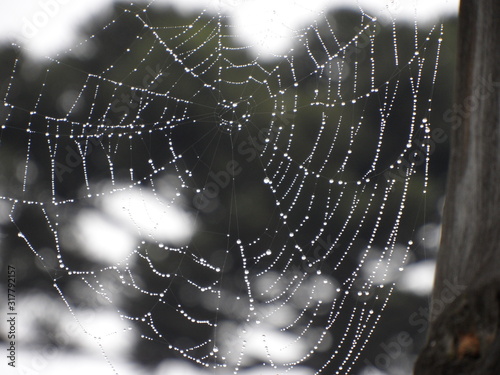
294 173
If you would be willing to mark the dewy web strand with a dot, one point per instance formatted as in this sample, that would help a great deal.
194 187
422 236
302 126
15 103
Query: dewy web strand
185 118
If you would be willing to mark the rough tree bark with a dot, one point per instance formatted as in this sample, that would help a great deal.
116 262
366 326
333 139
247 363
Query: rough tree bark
464 334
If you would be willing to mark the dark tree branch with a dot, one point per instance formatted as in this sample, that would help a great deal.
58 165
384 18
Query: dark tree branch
463 338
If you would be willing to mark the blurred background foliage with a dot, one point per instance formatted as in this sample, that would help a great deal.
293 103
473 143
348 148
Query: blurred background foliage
191 130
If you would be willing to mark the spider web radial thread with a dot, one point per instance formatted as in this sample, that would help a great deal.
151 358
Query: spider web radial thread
288 167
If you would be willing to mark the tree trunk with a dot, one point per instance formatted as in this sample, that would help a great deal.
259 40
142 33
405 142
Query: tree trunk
464 335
